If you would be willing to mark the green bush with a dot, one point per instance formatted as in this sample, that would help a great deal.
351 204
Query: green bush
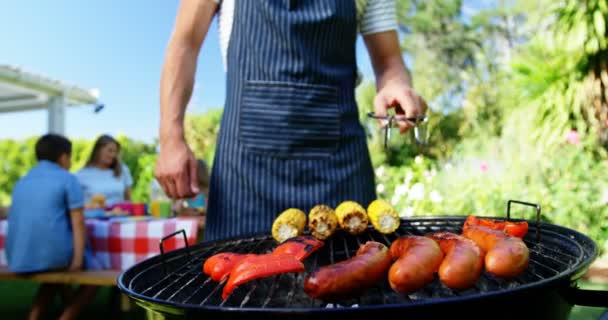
202 131
141 188
16 158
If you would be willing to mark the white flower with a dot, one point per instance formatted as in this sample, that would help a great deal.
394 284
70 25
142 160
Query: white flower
380 171
605 196
417 192
408 177
435 196
428 175
448 166
395 199
380 188
433 172
418 159
401 190
406 212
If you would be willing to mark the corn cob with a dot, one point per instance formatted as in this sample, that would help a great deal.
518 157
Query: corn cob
352 217
290 223
322 222
383 217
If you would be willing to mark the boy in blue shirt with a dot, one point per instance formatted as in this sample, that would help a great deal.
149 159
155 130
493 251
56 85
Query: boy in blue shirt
46 229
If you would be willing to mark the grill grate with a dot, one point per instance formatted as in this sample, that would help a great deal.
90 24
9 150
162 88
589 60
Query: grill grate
186 285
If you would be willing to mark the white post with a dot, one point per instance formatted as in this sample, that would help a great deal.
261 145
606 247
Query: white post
56 116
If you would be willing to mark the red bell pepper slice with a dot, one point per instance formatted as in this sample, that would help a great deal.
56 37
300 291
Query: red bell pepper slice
516 229
219 266
513 228
300 247
260 266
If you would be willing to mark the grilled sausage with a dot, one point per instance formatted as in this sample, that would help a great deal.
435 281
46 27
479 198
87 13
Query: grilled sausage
418 258
349 277
506 256
463 260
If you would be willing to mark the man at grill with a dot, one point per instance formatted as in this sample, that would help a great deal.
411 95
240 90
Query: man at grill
290 134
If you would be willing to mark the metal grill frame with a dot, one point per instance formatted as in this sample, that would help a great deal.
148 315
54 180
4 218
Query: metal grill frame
577 265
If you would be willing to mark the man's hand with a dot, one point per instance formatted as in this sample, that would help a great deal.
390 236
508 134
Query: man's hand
76 264
176 169
392 79
407 103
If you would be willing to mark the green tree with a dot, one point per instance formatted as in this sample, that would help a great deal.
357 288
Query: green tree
562 74
442 46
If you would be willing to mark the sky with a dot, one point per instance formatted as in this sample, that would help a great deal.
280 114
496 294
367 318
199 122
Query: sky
114 46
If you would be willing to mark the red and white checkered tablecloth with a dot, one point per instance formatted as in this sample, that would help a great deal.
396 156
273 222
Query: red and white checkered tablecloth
119 244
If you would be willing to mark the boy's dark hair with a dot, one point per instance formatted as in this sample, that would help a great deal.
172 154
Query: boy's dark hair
51 146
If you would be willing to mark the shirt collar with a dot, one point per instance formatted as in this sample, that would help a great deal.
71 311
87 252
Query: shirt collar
48 164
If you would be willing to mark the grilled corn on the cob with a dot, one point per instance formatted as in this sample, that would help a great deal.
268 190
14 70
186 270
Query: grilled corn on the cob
290 223
383 216
352 217
322 222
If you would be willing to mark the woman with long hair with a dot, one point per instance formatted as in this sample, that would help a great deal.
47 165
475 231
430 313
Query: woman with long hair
104 175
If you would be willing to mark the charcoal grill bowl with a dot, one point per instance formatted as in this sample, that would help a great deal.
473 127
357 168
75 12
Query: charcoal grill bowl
550 298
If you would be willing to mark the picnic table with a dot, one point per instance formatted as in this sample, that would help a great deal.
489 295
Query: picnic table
119 243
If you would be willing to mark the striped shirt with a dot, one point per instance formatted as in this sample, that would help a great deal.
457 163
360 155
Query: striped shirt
373 16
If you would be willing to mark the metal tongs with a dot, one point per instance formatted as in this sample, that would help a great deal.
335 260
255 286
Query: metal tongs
419 131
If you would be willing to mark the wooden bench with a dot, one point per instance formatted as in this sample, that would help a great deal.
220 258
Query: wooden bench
97 278
597 273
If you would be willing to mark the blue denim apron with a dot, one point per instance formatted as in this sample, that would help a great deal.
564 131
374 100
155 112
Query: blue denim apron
290 135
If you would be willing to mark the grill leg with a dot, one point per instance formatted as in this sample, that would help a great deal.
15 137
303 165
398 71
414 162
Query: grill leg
153 315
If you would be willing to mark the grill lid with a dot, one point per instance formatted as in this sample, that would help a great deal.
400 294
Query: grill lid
176 279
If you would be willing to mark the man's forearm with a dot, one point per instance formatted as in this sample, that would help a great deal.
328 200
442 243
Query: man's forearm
177 81
386 58
392 69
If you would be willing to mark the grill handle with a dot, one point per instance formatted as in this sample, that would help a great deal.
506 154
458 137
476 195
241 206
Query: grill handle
535 206
162 249
588 298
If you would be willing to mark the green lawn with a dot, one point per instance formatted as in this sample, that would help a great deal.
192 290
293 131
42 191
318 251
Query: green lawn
585 313
15 298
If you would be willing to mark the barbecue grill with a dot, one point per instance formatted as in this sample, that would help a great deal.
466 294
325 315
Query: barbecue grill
173 285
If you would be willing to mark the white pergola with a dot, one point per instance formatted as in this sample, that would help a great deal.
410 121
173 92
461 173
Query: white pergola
24 91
